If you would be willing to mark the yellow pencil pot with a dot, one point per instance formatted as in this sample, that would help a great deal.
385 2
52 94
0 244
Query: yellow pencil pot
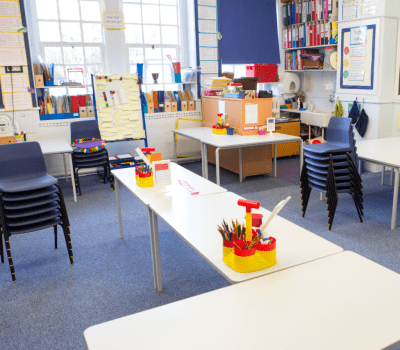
245 260
219 131
145 180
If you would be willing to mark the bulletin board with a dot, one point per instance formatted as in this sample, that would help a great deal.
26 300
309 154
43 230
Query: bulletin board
358 57
119 112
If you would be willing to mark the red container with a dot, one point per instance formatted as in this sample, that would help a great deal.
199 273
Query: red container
265 72
210 93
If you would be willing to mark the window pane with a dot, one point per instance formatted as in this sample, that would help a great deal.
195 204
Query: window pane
154 69
151 34
133 33
150 1
49 31
92 70
151 14
71 32
90 11
169 35
92 32
167 74
132 13
153 55
47 9
168 15
92 55
69 9
240 70
171 52
168 2
53 55
135 55
73 55
131 1
59 71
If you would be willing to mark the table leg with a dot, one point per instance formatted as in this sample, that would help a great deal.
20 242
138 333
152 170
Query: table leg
309 132
275 159
301 155
121 229
395 197
217 165
65 167
359 166
203 172
240 165
157 251
391 177
383 175
153 250
175 158
205 161
71 169
321 196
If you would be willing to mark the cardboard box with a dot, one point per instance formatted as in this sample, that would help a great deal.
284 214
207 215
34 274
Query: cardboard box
250 94
184 102
189 99
83 113
168 107
150 107
90 111
174 106
39 82
6 139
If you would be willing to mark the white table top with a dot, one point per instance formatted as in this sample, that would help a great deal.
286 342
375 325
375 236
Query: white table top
382 151
343 302
151 195
230 141
195 220
54 146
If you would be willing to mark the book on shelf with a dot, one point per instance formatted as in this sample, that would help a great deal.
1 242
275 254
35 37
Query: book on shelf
303 11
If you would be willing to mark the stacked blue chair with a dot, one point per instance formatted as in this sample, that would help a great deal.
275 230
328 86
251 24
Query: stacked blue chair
330 168
30 199
89 129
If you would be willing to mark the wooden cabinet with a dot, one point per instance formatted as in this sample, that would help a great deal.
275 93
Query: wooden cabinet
289 148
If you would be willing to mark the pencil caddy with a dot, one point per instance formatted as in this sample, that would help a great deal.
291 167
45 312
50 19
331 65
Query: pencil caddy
145 180
244 260
219 130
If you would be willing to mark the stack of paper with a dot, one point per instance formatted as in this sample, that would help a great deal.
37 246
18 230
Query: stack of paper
216 83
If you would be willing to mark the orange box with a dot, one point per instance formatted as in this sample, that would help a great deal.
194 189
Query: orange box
156 157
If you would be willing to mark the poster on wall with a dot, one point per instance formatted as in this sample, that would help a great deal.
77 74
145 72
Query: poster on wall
349 9
358 57
369 7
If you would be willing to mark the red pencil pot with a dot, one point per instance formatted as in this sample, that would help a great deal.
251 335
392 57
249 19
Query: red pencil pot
227 251
267 252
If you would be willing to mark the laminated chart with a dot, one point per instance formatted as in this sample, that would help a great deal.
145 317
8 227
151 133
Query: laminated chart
118 107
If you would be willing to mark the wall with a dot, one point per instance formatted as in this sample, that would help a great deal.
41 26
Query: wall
116 61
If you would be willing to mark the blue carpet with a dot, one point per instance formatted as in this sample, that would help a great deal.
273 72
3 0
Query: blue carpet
52 303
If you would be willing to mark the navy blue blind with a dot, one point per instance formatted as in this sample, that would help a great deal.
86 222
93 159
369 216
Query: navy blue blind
249 31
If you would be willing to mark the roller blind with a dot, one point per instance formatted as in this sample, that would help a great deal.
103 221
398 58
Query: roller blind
249 31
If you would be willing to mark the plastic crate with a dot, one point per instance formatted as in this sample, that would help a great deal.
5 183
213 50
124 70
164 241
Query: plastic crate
265 72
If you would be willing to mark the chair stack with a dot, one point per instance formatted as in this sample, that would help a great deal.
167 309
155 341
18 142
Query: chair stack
330 168
89 129
30 199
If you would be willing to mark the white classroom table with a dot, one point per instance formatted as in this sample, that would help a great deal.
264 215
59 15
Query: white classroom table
195 220
60 146
383 152
342 302
152 195
206 137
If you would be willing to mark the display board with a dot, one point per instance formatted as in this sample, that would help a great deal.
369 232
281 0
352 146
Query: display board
358 57
119 112
17 90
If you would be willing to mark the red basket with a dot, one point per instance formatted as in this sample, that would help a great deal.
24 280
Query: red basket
265 72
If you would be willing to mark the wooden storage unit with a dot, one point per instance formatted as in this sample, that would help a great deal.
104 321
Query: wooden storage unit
256 160
289 148
235 108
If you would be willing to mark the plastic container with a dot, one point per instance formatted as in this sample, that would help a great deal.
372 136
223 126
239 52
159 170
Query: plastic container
220 130
234 87
230 131
145 180
188 75
266 73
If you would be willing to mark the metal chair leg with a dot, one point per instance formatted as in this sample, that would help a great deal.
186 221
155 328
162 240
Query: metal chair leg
10 261
1 247
55 237
67 236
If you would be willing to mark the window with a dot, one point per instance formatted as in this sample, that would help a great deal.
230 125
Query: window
152 33
71 37
238 69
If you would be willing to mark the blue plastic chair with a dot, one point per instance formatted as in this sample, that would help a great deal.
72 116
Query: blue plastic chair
30 199
80 160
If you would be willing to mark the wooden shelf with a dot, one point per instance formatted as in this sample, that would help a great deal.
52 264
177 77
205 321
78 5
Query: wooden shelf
309 47
63 87
169 83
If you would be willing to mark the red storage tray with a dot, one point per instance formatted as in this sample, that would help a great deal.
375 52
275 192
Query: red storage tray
265 72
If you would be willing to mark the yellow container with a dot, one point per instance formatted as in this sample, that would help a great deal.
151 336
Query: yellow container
145 180
249 260
219 131
227 252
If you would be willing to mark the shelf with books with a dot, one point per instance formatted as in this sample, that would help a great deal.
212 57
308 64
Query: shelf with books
310 47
